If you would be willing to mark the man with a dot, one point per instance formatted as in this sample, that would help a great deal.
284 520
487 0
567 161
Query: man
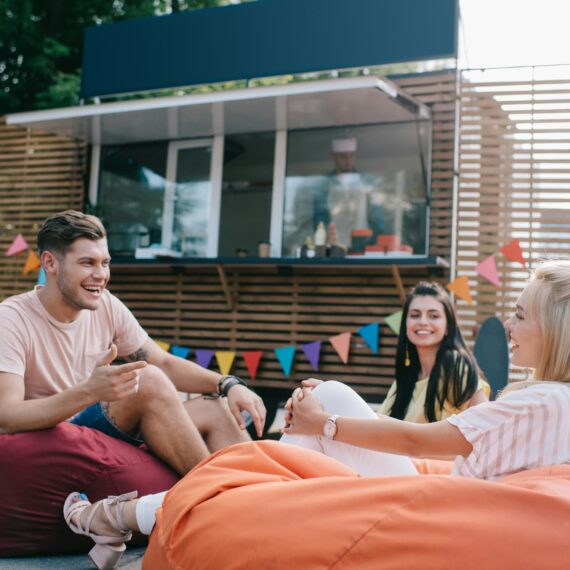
347 198
58 342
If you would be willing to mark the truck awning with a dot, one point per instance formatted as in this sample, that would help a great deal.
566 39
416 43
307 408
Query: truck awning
303 105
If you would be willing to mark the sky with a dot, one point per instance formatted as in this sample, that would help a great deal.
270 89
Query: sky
500 33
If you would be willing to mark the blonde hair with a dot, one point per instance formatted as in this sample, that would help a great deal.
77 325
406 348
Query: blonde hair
548 302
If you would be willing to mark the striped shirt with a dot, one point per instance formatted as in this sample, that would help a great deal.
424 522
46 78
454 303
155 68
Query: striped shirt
524 429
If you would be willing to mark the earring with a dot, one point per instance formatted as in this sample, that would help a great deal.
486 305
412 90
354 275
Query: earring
407 360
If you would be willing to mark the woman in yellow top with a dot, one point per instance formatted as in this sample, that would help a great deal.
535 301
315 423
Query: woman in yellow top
436 374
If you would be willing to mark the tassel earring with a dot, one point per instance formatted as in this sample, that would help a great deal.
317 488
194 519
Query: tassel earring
407 360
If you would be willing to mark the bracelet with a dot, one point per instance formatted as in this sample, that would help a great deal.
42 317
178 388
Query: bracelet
232 381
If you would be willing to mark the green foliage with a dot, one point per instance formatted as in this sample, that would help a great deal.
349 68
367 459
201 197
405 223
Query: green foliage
41 44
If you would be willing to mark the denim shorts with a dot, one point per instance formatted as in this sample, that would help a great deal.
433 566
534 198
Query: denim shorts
95 417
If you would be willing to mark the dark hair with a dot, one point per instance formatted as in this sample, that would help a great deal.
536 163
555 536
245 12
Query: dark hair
454 376
59 231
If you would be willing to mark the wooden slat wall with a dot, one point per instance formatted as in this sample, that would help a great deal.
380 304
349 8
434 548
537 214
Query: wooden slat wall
40 174
514 179
272 310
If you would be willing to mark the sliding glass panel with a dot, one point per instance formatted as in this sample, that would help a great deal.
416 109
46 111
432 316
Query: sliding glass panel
131 195
246 193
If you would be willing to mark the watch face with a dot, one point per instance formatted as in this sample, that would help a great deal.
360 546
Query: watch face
329 429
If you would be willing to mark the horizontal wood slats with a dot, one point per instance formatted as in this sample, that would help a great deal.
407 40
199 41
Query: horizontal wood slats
40 174
273 310
514 181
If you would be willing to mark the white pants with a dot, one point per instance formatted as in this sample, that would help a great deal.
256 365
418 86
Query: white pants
338 398
146 511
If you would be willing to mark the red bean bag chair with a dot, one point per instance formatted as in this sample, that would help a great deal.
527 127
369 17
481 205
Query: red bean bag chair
39 469
271 505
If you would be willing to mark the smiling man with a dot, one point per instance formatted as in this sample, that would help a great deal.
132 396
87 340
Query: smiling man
58 344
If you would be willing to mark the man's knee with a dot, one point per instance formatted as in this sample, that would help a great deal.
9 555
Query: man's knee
155 384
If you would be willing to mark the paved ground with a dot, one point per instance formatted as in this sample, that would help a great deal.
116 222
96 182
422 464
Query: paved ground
131 560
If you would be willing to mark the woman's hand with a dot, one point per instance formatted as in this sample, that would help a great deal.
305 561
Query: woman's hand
311 382
304 413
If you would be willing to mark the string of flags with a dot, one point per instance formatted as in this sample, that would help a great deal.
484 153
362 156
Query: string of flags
488 270
286 354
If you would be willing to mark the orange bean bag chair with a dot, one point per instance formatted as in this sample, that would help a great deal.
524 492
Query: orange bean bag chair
268 505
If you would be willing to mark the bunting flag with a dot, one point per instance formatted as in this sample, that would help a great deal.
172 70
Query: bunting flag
488 269
180 351
312 351
394 321
252 359
41 277
164 345
204 357
513 252
33 263
18 246
370 335
285 355
225 359
460 287
341 343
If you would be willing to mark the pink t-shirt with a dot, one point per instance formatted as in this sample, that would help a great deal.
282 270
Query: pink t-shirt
52 356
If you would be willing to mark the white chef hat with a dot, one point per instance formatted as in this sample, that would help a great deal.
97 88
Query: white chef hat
344 145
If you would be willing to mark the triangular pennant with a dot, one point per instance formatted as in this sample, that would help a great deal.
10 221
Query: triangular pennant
341 343
33 262
252 358
370 335
394 321
225 359
18 245
460 286
41 277
204 357
513 252
488 269
312 351
285 355
164 345
180 351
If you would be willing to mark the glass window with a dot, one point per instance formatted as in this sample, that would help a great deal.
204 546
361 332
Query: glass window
246 193
131 195
365 184
192 196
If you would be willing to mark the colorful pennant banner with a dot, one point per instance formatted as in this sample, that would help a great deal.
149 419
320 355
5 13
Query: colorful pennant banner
204 357
341 343
312 351
285 355
488 269
164 345
225 359
370 335
18 246
394 321
180 351
252 359
33 263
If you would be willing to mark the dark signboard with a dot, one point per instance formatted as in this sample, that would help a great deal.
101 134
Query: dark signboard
262 39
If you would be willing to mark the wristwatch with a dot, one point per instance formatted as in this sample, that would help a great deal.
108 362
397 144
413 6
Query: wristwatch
330 428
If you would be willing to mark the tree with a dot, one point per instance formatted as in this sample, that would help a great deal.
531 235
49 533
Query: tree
41 43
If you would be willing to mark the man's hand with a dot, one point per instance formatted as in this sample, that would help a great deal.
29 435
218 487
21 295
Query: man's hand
242 399
110 383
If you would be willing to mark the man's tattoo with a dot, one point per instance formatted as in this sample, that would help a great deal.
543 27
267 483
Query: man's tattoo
140 354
